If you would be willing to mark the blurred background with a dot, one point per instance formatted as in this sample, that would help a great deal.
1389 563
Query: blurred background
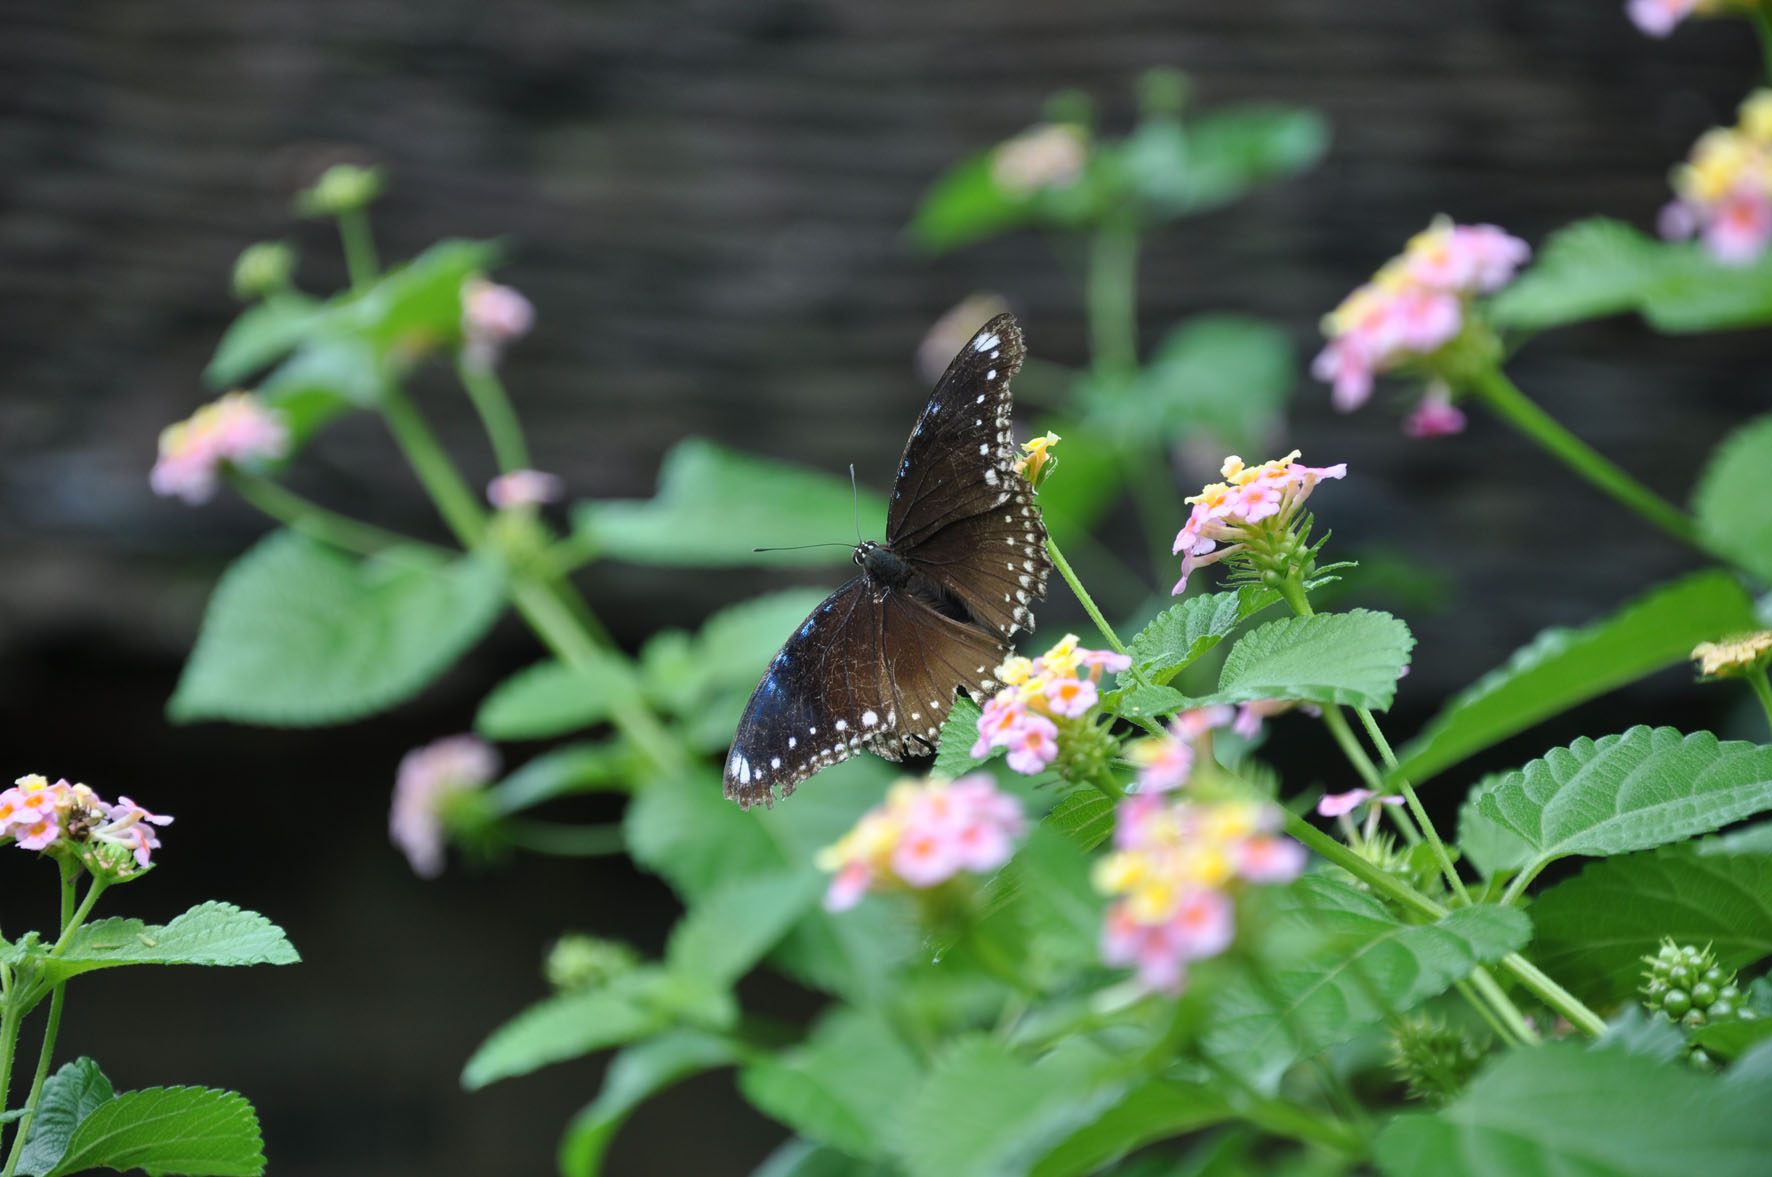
706 202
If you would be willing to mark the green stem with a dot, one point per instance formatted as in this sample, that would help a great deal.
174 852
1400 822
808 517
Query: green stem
1416 808
1509 1013
564 841
1553 994
1108 786
314 521
44 1054
1088 602
1338 727
1519 411
1496 1024
1757 680
1763 26
1111 295
1285 1119
11 1018
457 504
359 246
487 393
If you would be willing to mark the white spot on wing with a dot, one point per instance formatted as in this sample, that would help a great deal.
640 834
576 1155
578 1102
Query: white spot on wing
986 342
869 718
842 725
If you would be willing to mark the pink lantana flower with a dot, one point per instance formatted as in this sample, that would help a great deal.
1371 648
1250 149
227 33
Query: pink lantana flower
921 836
1434 415
429 779
1172 877
1658 18
524 488
491 317
1051 155
71 819
1041 700
1216 528
235 429
1165 762
1723 192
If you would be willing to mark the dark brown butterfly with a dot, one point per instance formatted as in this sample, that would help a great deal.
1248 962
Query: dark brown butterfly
876 666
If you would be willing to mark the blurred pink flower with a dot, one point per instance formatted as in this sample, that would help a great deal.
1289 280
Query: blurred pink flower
236 428
922 835
1434 415
524 488
491 317
1050 155
428 778
1337 804
1658 18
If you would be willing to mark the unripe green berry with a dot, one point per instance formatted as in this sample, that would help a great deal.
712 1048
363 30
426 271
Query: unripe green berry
1721 1011
1679 975
1715 975
1729 993
1675 1002
1694 1018
1703 993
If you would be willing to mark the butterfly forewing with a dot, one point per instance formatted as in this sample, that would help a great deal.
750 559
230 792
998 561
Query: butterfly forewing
877 664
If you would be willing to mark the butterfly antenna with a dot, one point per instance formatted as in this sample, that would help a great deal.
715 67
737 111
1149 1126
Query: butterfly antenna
855 497
801 547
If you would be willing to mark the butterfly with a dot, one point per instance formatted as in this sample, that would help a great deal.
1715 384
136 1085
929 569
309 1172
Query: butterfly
935 606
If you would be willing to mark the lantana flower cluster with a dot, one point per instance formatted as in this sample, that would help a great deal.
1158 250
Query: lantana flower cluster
1734 657
64 817
237 428
1415 305
1039 697
430 779
1050 155
922 835
1723 192
1658 18
1251 512
491 317
1177 863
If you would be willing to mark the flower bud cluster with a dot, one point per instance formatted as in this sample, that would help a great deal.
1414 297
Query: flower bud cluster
1683 984
237 428
922 835
114 840
1044 705
1250 514
1723 192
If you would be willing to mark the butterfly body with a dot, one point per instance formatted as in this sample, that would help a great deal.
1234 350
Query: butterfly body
876 665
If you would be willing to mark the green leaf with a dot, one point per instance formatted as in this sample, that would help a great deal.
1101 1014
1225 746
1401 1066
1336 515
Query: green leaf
1558 1109
635 1075
714 506
1146 702
1232 150
325 379
1184 632
552 698
1594 929
75 1091
1223 375
966 205
1086 817
1644 788
568 1025
263 334
209 934
1731 1040
298 634
573 768
726 933
1353 659
1733 509
953 756
1491 848
1153 1111
841 1087
1348 964
419 303
983 1111
197 1130
1563 667
802 1158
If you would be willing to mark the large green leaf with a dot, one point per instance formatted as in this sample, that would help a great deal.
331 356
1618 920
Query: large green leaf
959 732
552 698
1563 667
1353 659
1222 375
1594 929
74 1092
263 334
1153 1111
1643 788
209 934
635 1075
842 1086
714 506
726 933
1601 267
197 1130
1490 847
1732 505
1232 150
299 634
568 1025
985 1112
1186 631
1560 1111
1346 964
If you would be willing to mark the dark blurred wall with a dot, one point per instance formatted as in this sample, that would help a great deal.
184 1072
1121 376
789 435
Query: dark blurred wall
705 201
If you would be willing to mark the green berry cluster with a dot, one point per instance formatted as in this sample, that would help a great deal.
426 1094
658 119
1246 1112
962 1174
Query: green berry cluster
1684 985
1435 1060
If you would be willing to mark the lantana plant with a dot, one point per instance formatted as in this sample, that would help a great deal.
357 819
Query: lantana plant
1102 933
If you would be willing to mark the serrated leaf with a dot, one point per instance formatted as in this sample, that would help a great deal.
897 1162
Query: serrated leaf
1634 791
195 1130
1594 929
715 505
1357 966
984 1112
635 1075
1353 659
1558 1109
298 634
74 1092
209 934
1153 1111
726 933
552 698
1152 702
1734 511
1086 817
841 1087
959 732
1183 633
568 1025
1563 667
1590 269
1489 847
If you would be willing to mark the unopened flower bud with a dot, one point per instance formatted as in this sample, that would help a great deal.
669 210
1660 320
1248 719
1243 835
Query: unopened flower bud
263 268
342 188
